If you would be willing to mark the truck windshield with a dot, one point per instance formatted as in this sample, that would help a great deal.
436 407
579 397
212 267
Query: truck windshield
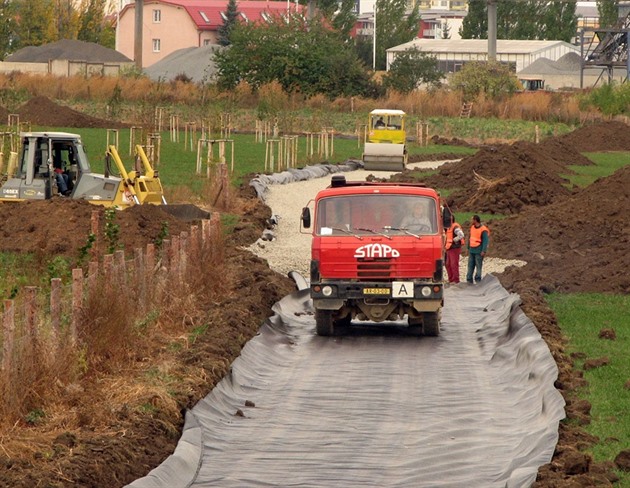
376 214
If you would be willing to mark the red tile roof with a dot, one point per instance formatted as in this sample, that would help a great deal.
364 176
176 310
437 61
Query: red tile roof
207 13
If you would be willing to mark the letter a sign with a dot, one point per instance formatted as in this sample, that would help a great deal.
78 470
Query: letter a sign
402 289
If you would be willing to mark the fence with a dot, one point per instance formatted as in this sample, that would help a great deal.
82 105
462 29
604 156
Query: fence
39 325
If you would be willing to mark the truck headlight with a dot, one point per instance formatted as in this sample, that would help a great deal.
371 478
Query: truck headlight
327 291
426 291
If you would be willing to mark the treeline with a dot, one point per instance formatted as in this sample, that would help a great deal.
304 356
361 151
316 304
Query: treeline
37 22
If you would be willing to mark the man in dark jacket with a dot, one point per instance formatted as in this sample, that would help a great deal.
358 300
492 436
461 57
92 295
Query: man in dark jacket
478 241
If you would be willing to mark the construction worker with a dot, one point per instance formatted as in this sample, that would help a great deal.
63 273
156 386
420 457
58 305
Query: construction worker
453 245
478 241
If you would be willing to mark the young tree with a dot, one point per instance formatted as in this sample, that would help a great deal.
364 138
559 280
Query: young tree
475 24
230 21
8 28
92 24
67 19
340 14
446 30
36 24
608 12
393 27
411 68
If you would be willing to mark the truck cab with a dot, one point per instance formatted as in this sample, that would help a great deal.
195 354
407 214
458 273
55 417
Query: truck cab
376 255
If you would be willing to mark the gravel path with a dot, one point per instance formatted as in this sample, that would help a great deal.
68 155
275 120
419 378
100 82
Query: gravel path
290 249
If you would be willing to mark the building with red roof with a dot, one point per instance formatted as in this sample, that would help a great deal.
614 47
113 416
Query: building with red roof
170 25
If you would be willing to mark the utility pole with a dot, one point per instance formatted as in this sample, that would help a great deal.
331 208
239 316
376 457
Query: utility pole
492 30
374 39
137 39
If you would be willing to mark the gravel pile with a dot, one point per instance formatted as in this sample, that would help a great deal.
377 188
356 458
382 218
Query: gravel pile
70 49
569 63
194 62
289 249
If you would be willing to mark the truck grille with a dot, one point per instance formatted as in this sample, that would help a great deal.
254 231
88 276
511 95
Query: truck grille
374 270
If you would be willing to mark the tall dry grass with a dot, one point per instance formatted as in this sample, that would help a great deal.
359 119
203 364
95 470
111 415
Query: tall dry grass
125 318
271 100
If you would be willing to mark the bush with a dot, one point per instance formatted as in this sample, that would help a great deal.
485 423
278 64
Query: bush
610 99
412 68
491 78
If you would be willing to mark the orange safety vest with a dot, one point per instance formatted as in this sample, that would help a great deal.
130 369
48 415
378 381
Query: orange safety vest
450 235
475 235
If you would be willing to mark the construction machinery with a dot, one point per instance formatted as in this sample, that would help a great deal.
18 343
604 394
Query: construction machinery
385 147
376 256
47 156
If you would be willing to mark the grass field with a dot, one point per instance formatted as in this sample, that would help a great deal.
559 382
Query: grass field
581 317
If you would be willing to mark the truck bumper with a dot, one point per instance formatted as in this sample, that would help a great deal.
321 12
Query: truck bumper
424 296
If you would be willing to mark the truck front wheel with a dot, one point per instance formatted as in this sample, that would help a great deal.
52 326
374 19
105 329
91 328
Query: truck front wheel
431 324
325 325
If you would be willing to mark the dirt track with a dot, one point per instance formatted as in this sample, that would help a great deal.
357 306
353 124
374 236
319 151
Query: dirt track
473 407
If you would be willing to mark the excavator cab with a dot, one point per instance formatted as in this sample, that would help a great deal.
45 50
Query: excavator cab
34 176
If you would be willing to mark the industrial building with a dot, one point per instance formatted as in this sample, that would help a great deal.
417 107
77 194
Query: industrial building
452 54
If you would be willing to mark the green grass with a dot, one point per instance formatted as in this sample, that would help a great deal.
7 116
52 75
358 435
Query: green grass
494 128
16 271
178 163
581 317
605 165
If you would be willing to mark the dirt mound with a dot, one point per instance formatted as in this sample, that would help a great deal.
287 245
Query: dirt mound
61 226
579 243
505 178
43 111
443 141
602 136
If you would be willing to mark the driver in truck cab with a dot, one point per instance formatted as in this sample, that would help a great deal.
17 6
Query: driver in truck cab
417 220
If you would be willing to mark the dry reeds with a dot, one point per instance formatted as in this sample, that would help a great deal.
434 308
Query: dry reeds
127 308
271 100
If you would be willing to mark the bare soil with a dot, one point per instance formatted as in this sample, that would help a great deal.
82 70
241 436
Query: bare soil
45 112
573 240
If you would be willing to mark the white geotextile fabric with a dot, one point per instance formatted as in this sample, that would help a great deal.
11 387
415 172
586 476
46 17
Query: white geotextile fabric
474 407
261 182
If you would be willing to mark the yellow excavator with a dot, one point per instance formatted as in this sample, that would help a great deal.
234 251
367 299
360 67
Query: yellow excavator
50 162
386 142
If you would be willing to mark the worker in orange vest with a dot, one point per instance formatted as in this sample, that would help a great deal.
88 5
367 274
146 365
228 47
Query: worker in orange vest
478 241
453 245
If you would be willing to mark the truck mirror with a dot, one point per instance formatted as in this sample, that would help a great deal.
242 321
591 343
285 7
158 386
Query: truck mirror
446 217
306 217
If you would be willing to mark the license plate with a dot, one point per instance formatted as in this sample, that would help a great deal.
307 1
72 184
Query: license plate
376 291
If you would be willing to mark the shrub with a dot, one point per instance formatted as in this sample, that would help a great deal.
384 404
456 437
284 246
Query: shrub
490 78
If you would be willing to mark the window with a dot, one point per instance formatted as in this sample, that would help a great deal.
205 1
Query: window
244 17
157 16
207 42
204 17
223 16
156 45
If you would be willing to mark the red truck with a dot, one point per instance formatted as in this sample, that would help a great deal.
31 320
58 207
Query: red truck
377 255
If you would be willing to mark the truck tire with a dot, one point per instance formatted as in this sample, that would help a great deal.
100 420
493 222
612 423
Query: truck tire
415 326
324 324
431 324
